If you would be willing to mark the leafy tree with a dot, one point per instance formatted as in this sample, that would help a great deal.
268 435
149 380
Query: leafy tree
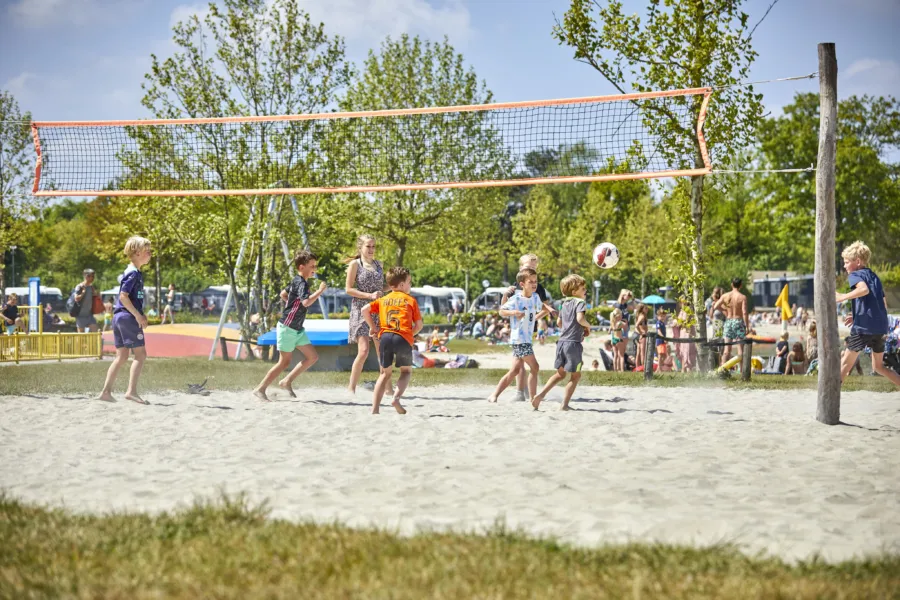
867 194
680 44
61 244
249 57
645 239
739 224
16 164
410 73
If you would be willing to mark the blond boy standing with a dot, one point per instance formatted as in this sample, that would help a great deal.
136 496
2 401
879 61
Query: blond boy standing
129 322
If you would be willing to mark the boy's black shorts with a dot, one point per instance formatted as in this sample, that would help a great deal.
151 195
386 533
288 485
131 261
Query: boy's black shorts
394 348
859 342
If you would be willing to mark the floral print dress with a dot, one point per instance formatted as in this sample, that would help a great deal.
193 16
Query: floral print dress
367 281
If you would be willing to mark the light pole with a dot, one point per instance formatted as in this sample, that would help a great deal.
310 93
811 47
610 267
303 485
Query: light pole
13 248
596 291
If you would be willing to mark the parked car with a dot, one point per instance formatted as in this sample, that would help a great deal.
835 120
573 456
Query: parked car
48 294
438 300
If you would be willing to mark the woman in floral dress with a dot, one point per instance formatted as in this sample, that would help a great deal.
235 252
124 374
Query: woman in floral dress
365 283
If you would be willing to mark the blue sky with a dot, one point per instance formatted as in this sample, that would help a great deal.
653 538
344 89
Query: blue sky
85 59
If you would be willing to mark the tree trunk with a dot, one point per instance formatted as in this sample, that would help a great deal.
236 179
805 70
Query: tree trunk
401 252
466 305
838 261
829 390
697 290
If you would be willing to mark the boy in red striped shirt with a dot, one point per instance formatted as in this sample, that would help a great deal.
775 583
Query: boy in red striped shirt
290 332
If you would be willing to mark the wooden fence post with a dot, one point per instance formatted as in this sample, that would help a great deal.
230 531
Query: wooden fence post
828 410
713 358
747 361
649 352
224 343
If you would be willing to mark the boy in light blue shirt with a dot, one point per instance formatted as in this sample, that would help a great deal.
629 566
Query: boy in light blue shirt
523 309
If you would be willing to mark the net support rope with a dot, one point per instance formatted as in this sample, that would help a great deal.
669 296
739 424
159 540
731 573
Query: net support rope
619 136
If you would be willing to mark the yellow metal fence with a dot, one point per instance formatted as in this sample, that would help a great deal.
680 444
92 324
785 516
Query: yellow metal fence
22 346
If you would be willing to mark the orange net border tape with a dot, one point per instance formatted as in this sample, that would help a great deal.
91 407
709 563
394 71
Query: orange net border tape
707 169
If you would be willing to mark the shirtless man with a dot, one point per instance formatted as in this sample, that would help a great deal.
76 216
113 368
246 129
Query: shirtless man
734 304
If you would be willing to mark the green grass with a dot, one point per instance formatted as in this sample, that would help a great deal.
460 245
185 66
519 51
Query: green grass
162 374
232 549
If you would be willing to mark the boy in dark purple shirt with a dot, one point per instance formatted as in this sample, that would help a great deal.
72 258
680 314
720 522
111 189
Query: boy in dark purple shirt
868 319
129 321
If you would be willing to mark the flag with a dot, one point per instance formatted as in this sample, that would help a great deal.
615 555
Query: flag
784 304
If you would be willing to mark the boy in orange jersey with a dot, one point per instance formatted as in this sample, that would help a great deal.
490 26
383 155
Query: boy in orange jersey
399 321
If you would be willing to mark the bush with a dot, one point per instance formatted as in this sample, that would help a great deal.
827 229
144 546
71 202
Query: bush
592 313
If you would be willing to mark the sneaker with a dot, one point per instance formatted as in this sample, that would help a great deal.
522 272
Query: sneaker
520 396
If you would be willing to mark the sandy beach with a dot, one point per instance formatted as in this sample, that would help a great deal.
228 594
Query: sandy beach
692 466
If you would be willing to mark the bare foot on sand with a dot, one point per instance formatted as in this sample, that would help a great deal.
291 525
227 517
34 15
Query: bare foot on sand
396 404
261 395
286 386
492 398
136 398
106 398
564 407
536 401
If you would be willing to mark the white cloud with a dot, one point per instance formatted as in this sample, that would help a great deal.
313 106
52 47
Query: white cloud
184 12
18 85
871 76
869 64
370 21
42 13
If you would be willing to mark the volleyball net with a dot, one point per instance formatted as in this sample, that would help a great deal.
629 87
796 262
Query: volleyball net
620 137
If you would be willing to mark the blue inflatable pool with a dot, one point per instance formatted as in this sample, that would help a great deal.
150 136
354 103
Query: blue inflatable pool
325 332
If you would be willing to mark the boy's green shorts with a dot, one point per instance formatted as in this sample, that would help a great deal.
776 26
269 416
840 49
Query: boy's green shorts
288 338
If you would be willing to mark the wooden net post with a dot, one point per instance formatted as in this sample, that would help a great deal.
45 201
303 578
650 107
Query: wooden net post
747 361
829 391
649 352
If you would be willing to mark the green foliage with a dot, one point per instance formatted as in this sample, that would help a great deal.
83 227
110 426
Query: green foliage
680 44
17 206
889 274
562 224
867 193
407 73
686 266
644 240
248 57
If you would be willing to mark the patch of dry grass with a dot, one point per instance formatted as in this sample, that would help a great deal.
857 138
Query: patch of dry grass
161 374
230 549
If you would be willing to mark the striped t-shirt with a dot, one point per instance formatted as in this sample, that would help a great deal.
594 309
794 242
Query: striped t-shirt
295 312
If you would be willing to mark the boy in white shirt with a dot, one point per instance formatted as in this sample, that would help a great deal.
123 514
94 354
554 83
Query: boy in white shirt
523 309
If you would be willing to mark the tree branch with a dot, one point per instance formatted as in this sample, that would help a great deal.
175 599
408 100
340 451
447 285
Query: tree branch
768 10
